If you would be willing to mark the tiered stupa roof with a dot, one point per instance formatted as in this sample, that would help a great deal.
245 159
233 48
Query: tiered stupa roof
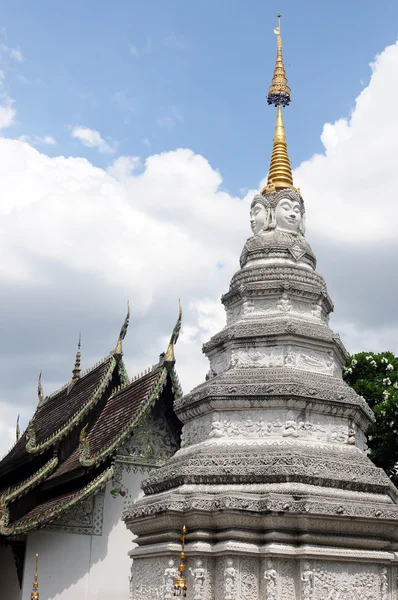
272 480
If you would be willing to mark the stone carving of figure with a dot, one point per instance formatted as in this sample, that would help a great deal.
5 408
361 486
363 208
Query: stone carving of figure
170 573
259 213
317 311
289 214
290 425
229 580
284 303
199 580
248 307
217 429
351 433
290 358
384 584
307 582
270 576
329 364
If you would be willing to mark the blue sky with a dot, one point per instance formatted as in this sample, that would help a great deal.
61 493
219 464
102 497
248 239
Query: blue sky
80 237
156 75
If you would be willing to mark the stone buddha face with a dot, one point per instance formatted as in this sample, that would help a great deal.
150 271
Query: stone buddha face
259 214
288 215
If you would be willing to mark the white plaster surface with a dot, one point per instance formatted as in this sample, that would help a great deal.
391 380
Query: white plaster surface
84 567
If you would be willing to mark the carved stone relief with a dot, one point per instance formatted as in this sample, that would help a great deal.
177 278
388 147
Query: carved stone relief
345 581
276 305
272 423
87 518
227 578
170 573
271 581
151 442
149 578
276 356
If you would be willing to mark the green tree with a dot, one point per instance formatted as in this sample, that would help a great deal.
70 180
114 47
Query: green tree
375 377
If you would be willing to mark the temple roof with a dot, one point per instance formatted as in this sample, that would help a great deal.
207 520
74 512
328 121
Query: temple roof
65 454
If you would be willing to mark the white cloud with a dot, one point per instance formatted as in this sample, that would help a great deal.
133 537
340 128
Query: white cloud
7 111
93 139
76 241
37 140
16 54
357 176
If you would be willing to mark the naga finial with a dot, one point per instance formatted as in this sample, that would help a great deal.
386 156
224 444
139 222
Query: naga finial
169 358
17 429
40 392
119 350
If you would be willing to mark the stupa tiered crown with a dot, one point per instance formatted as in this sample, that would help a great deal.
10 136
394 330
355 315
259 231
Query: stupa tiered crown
272 479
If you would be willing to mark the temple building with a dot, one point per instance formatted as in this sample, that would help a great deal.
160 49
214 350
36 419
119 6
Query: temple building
272 483
66 481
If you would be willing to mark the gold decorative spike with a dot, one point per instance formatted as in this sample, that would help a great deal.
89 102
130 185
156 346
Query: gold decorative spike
119 350
279 91
169 358
180 582
40 392
76 369
280 171
35 595
17 429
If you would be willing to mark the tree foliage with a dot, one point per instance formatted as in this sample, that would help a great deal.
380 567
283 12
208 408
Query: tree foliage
375 377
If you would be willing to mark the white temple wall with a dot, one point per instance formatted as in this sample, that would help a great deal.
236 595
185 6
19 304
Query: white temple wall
9 586
82 566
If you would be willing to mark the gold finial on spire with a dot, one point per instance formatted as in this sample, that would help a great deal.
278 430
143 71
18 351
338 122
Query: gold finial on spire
76 368
40 392
180 583
35 588
280 171
169 358
119 350
279 91
17 429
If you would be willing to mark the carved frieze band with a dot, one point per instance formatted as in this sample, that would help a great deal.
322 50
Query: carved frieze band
240 577
272 424
290 356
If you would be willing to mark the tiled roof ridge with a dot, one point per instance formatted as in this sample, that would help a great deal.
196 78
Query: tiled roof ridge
145 372
12 447
151 396
82 374
92 487
22 488
33 448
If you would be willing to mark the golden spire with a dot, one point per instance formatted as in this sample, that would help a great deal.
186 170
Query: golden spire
17 429
35 589
76 369
40 392
119 350
279 91
280 171
180 583
169 358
